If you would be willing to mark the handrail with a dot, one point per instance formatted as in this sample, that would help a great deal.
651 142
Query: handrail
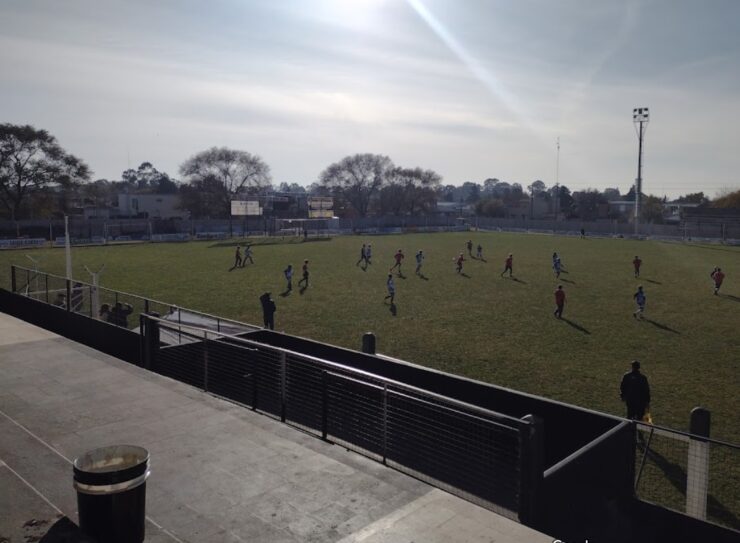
665 430
83 283
459 403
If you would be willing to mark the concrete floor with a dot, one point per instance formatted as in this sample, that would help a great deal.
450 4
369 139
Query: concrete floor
219 471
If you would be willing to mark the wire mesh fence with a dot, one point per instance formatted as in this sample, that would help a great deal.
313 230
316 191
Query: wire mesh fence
690 474
469 451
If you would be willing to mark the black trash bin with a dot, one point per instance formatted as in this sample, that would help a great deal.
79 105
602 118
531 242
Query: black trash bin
111 492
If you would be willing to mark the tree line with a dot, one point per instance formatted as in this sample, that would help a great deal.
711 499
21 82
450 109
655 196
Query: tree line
38 176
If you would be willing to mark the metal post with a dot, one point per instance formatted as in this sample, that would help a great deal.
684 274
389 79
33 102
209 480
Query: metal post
146 305
324 404
205 361
697 472
69 295
47 287
12 279
531 459
282 385
385 422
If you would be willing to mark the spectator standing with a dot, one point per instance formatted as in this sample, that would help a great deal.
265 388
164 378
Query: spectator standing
635 392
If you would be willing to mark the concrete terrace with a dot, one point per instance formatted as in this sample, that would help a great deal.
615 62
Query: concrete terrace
220 472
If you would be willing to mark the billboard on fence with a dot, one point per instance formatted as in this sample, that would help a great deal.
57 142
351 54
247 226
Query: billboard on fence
320 213
245 207
320 202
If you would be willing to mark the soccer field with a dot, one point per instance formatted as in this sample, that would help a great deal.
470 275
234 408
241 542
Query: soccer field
478 324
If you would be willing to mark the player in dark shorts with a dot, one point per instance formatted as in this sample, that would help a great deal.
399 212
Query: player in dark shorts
718 276
399 260
237 257
637 262
559 302
363 255
459 262
288 272
509 266
304 279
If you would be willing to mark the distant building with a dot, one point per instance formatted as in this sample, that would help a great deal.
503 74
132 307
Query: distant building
154 206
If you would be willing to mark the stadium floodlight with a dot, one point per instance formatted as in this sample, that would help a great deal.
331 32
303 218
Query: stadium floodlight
640 117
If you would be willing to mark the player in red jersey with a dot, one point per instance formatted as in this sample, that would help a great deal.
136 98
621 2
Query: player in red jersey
559 302
509 266
718 277
399 260
459 262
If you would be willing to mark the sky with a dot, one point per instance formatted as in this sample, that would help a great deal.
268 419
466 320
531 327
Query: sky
473 89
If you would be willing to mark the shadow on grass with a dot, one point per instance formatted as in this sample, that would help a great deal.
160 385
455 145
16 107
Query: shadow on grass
394 310
576 326
465 275
730 297
303 290
564 280
662 326
517 280
286 293
653 282
424 277
676 476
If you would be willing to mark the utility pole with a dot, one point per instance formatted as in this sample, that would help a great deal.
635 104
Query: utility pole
640 117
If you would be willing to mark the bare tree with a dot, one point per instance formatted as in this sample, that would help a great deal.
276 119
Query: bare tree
239 172
31 159
358 178
411 190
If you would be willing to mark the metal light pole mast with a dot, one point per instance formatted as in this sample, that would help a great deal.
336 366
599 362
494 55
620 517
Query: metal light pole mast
640 117
557 181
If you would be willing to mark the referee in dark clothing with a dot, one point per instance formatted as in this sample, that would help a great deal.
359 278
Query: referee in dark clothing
635 392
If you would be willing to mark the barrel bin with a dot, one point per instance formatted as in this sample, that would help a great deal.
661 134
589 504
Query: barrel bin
111 493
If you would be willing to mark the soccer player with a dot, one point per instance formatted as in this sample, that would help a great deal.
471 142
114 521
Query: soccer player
391 286
470 248
479 252
637 262
640 299
305 274
247 255
288 272
559 302
556 266
399 259
363 255
419 261
509 266
368 253
718 277
459 262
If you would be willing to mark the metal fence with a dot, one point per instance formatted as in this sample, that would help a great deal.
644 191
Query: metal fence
470 451
113 306
688 473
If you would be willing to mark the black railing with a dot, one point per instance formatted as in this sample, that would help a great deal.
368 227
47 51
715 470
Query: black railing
467 450
101 303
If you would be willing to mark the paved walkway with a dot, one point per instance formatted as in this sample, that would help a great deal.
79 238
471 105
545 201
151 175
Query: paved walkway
219 472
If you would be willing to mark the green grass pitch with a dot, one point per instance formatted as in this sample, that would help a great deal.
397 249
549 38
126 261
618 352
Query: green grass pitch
478 325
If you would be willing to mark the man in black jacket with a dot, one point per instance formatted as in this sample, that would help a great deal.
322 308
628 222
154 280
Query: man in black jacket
635 392
268 310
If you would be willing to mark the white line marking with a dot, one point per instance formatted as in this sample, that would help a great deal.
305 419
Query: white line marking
29 485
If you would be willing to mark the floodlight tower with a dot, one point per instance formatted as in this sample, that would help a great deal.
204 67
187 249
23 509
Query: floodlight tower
640 117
